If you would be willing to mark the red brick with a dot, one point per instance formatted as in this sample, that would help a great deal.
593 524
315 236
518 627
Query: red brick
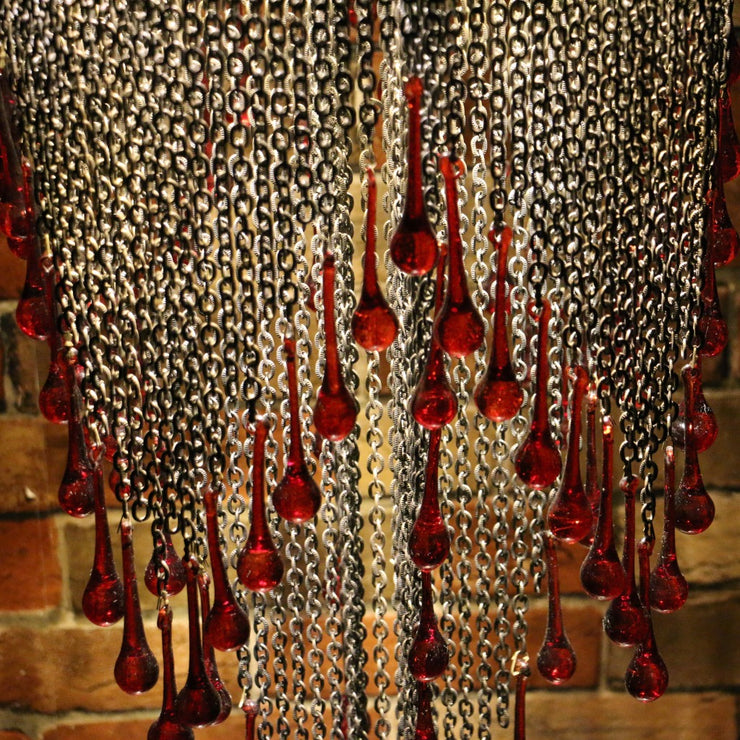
31 577
32 464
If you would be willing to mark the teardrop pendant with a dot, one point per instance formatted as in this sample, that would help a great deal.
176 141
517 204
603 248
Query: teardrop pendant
522 673
704 420
647 676
209 656
498 395
227 627
54 398
77 489
602 574
434 403
624 621
336 409
668 587
569 517
459 326
592 488
251 710
136 669
723 241
413 247
33 314
428 654
165 561
728 147
556 659
712 325
168 726
103 599
424 727
259 565
537 461
198 704
429 541
694 508
296 497
374 324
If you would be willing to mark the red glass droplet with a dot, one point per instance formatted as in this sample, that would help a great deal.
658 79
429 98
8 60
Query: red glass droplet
522 675
704 420
668 587
434 403
728 147
54 399
198 704
209 656
624 621
102 601
498 395
171 563
429 541
374 324
712 325
569 517
259 566
336 410
537 461
77 489
10 180
592 488
33 313
723 241
694 508
459 327
413 246
136 669
296 497
227 627
733 61
251 710
556 660
647 676
602 574
428 655
424 728
167 726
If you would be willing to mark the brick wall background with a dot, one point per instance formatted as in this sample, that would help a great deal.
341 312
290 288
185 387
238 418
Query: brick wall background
56 670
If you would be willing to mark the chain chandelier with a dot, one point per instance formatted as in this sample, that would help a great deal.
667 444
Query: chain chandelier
544 181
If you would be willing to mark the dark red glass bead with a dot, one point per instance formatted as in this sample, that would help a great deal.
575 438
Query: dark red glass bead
647 676
569 516
723 241
429 541
522 675
136 669
251 710
537 462
296 497
704 421
728 154
602 574
498 395
374 324
169 562
54 398
227 627
712 325
103 599
591 486
624 621
77 489
259 565
198 704
434 403
556 659
413 246
336 409
733 60
428 655
167 726
33 313
424 727
459 326
668 587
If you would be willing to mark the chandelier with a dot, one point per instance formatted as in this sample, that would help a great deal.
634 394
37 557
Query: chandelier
375 480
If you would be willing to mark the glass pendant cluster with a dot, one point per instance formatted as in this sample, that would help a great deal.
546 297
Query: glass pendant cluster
182 193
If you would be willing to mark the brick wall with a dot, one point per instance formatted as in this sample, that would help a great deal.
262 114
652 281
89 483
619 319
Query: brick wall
56 677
